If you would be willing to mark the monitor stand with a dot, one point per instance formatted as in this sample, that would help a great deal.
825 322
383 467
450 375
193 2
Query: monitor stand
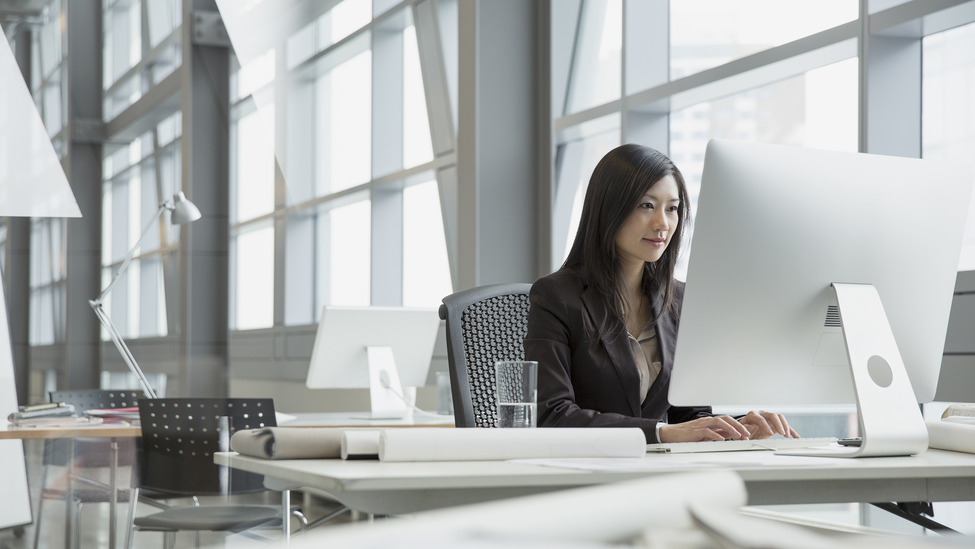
385 390
891 423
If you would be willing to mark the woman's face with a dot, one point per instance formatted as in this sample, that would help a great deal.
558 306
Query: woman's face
647 231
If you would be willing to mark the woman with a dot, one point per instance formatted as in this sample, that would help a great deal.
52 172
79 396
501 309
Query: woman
604 326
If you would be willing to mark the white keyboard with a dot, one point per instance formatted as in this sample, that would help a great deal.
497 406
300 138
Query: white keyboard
739 445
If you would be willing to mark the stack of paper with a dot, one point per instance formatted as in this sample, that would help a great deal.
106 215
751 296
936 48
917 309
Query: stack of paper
955 431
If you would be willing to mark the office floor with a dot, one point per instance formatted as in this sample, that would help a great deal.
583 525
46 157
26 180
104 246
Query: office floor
94 517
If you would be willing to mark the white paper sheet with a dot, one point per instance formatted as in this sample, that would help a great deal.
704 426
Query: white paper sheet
685 461
949 435
498 444
605 513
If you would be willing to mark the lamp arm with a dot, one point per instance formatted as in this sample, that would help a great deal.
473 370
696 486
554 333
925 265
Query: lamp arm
128 258
123 349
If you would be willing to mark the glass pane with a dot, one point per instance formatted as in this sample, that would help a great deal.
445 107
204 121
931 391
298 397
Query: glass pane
578 161
817 110
708 33
345 117
152 312
123 39
417 146
350 16
164 17
254 299
299 271
948 110
426 272
596 72
133 299
253 76
255 164
349 260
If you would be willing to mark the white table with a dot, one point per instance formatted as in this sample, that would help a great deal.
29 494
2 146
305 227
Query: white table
354 419
111 431
399 488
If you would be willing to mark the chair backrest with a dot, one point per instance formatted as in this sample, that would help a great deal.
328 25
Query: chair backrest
180 435
484 325
97 399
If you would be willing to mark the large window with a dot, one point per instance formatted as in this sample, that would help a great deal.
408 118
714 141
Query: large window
708 33
948 123
48 239
141 48
336 197
138 177
47 281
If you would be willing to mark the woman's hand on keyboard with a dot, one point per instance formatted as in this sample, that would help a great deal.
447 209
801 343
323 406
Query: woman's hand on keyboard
762 424
704 429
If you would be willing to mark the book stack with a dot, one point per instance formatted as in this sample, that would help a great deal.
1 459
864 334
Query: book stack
955 431
51 415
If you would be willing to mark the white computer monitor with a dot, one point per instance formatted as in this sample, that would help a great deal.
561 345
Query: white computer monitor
380 348
775 228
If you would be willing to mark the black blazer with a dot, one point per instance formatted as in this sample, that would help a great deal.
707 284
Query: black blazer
586 383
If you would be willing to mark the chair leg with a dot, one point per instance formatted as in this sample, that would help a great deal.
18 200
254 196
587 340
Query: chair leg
130 523
169 540
37 525
76 534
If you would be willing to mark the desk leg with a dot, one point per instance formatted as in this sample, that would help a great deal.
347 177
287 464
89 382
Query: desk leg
113 497
286 516
69 507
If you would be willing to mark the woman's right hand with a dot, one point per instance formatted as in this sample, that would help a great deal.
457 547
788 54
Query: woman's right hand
704 429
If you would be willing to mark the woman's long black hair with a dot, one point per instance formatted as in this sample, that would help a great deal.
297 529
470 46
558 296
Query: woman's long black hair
616 187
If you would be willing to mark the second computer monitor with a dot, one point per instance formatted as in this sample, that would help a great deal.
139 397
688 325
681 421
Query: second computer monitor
774 228
339 359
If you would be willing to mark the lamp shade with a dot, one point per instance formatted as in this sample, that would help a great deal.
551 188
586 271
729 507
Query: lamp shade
184 211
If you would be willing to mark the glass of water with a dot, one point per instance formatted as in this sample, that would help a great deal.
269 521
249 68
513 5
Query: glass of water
516 383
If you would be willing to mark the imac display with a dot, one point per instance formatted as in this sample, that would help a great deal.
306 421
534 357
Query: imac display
780 233
380 348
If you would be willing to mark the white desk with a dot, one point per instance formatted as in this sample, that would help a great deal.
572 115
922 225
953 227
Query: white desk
348 419
399 488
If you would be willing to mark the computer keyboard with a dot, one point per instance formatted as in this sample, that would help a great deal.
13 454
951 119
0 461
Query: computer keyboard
739 445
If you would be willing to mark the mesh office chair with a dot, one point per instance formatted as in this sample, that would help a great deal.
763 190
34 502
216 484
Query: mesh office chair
179 436
84 453
484 325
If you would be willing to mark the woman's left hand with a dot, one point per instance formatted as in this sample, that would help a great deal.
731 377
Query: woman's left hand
762 424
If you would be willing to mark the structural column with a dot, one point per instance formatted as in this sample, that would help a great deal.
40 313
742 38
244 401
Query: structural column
204 263
17 263
497 142
83 167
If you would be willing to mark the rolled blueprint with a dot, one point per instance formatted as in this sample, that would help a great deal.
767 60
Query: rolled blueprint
499 444
289 442
360 444
949 435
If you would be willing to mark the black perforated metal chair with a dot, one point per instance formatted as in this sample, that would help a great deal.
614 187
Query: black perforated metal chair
179 437
484 325
82 453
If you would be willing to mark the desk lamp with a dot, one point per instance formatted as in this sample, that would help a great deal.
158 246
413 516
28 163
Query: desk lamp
182 211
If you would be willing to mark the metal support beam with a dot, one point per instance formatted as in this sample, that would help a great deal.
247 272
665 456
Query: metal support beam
204 265
545 185
80 369
894 96
497 142
17 262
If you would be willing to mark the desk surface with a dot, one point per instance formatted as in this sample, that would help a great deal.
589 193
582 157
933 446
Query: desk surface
349 419
334 419
94 431
397 488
